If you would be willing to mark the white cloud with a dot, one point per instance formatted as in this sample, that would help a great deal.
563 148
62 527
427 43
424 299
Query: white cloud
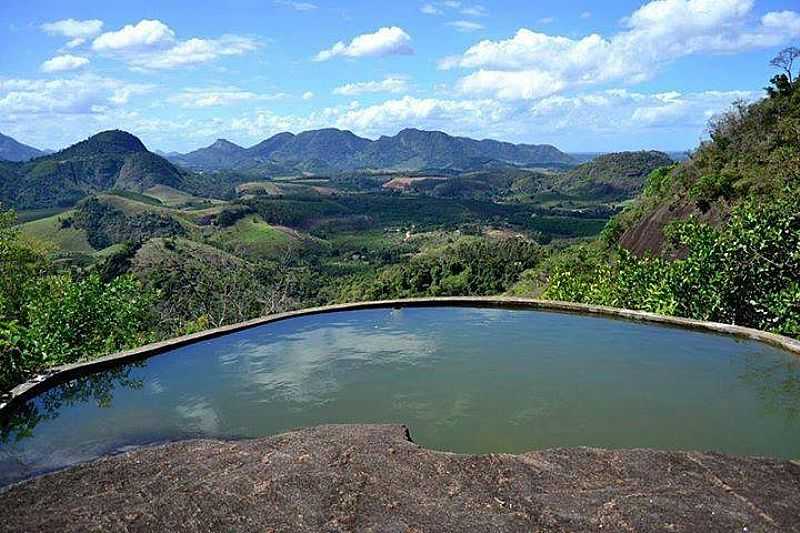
87 94
430 9
73 43
586 15
63 63
297 6
465 25
390 40
391 84
617 110
146 34
73 29
218 96
308 95
152 45
474 11
655 34
511 85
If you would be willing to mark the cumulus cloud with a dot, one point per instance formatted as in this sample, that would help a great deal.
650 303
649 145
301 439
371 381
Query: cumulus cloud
87 94
218 96
63 63
152 45
391 84
146 34
465 25
655 34
308 95
511 85
74 29
613 111
390 40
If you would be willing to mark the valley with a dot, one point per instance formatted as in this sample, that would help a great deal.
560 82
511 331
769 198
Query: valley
334 235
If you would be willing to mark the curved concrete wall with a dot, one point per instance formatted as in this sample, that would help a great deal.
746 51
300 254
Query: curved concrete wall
64 373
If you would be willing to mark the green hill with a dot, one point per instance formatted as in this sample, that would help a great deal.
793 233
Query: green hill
108 160
616 176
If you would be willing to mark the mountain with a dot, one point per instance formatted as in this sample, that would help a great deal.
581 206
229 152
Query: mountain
333 150
108 160
614 176
265 148
413 149
222 154
13 150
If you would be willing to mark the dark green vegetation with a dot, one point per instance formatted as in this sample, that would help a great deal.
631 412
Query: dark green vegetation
715 238
50 316
108 160
13 150
612 176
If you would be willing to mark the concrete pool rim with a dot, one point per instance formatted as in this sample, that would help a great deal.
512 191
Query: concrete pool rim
61 374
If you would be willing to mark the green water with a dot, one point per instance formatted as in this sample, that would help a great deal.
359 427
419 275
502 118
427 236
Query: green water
466 380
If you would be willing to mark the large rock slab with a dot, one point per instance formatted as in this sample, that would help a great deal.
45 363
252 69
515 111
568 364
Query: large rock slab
343 478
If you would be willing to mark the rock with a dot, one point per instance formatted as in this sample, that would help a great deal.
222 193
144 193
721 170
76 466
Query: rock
360 477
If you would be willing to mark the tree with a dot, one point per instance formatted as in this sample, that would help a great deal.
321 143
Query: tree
785 61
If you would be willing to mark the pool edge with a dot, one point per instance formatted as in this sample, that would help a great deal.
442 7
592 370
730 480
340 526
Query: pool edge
63 373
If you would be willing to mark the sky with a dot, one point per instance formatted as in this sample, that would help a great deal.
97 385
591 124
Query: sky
584 76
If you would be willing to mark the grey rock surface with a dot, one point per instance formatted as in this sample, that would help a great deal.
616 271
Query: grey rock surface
374 478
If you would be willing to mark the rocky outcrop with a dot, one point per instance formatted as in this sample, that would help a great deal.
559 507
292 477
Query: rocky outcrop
343 478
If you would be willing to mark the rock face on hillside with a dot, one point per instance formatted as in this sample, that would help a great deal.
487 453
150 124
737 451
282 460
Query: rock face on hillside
373 478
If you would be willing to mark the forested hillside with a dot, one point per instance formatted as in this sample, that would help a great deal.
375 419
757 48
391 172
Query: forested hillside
108 160
714 238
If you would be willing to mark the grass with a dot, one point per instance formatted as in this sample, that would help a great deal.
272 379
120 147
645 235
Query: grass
171 197
29 215
137 197
252 237
49 230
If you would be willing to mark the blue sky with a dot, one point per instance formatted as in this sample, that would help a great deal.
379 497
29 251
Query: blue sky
585 76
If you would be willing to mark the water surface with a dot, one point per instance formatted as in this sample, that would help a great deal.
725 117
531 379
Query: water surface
466 380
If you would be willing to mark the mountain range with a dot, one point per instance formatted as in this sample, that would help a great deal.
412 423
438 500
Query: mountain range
333 150
117 160
13 150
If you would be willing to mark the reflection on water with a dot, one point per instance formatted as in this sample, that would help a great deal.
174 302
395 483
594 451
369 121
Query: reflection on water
97 389
467 380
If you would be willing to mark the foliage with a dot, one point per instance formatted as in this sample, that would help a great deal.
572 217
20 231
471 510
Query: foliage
746 272
48 319
614 176
468 267
106 225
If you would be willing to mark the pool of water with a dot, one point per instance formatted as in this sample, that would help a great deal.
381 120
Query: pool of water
463 379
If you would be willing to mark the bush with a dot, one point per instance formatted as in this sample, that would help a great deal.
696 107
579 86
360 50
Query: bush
746 272
49 319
